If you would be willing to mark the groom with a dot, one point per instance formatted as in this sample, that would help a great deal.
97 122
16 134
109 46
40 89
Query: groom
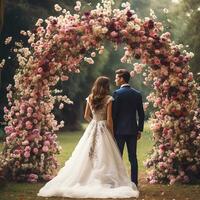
127 105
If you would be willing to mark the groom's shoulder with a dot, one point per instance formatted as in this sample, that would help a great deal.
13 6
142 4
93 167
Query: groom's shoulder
117 90
137 92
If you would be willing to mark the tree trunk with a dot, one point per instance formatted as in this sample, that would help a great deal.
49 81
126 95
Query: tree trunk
1 13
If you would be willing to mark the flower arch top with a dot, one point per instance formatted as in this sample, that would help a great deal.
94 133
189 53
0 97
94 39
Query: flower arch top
57 47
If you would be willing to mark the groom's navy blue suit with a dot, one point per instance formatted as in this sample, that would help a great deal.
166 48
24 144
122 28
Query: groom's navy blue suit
128 120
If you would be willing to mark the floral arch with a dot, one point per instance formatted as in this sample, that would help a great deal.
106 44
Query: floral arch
57 47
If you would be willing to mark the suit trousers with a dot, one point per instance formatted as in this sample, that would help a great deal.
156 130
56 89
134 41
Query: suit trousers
131 143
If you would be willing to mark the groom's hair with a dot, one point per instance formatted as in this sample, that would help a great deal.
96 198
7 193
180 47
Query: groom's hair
124 73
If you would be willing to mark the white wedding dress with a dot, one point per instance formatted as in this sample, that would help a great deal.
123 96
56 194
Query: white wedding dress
95 168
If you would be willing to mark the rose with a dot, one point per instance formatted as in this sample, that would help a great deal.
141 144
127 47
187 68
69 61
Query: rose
61 106
172 181
32 178
45 148
26 142
64 78
36 131
93 54
28 125
40 70
138 67
114 34
27 148
46 143
132 74
27 154
35 150
30 110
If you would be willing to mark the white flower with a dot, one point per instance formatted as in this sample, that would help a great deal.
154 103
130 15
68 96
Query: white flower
2 63
152 14
101 50
78 3
104 30
165 10
93 54
89 60
191 54
138 68
8 40
77 8
61 106
169 20
57 8
39 22
22 32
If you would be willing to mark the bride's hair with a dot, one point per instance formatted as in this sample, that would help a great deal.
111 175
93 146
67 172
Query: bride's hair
99 90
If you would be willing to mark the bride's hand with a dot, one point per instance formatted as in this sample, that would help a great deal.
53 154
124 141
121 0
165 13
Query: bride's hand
138 135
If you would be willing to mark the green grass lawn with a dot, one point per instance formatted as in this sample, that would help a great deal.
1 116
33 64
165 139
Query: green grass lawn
25 191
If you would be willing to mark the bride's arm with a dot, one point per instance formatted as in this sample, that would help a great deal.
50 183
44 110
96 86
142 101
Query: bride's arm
109 117
88 113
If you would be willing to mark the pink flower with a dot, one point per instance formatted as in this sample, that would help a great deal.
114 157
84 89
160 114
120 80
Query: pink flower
35 150
172 181
27 148
47 177
182 88
145 105
114 34
64 78
36 131
46 143
132 73
40 70
32 178
45 148
186 179
157 61
61 106
27 154
25 142
8 129
28 125
35 115
153 181
190 76
17 151
5 110
29 115
30 110
177 69
124 32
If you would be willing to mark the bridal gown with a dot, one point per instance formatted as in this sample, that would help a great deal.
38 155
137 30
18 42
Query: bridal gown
95 168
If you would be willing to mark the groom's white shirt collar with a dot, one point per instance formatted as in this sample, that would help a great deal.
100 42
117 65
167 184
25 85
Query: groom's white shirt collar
124 85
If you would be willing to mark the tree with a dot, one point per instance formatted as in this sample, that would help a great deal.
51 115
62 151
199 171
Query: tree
188 14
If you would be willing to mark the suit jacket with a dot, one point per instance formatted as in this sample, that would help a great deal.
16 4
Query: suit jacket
127 105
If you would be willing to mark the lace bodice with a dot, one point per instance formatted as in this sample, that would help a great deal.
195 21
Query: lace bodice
100 114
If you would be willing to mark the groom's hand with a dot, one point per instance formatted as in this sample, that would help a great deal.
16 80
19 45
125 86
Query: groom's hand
138 135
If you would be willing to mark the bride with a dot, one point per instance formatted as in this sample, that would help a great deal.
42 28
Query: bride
95 168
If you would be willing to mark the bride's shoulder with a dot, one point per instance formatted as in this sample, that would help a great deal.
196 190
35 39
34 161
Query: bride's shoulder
88 99
109 98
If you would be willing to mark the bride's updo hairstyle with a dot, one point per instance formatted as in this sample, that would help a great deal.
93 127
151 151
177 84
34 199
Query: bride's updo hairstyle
100 89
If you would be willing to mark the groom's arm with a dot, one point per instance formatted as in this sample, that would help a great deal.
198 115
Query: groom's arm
115 105
141 114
